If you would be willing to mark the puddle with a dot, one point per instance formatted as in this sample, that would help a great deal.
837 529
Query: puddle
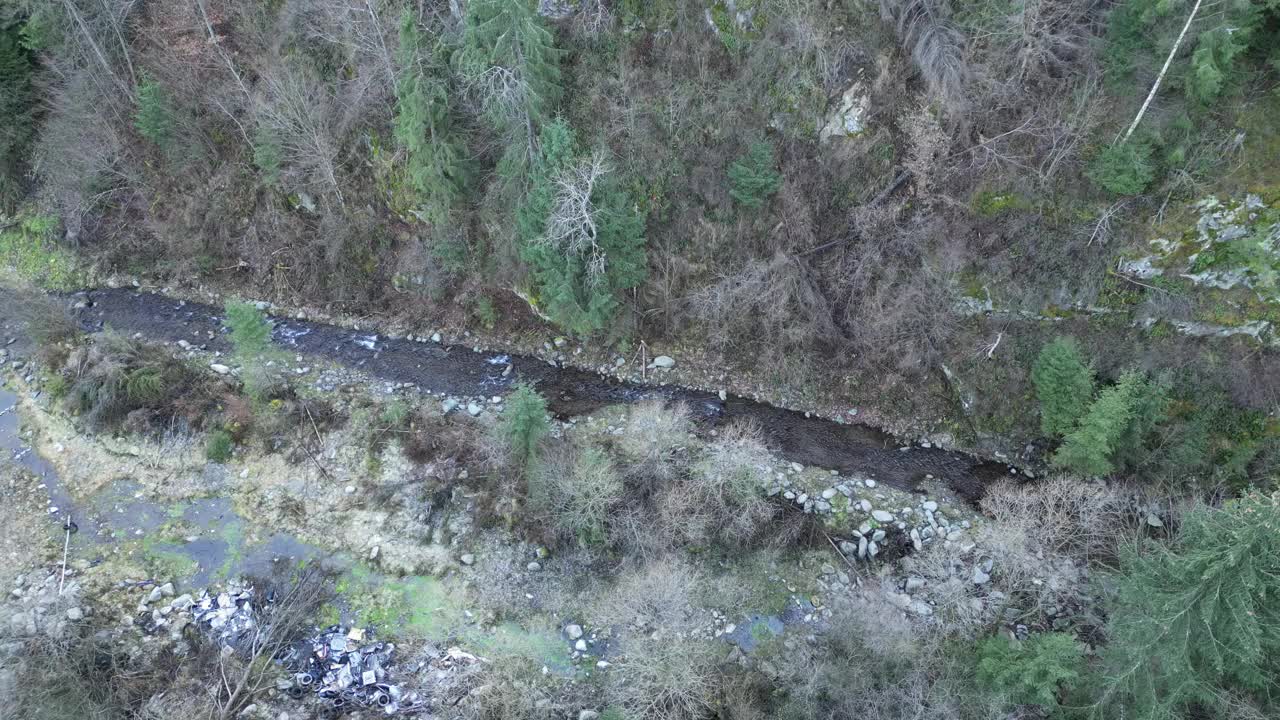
199 541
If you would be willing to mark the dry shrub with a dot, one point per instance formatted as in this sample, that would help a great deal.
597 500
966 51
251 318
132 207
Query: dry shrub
717 498
662 675
873 663
1040 542
654 432
664 678
936 47
576 487
771 304
511 691
81 676
658 595
1064 515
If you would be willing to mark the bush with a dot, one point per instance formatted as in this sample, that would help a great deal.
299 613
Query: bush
524 424
1125 168
1195 627
114 377
1031 672
752 177
220 446
1064 386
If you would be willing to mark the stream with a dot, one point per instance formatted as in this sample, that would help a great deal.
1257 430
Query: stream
459 371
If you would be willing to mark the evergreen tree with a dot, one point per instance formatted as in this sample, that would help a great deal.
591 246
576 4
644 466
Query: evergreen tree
17 109
251 339
1064 386
752 177
510 59
524 424
268 155
250 330
578 283
1031 672
154 117
1089 448
436 158
1196 624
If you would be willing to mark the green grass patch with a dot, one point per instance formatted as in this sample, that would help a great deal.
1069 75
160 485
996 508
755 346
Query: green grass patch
29 247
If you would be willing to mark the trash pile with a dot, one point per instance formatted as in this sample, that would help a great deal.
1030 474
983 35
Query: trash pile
339 669
334 665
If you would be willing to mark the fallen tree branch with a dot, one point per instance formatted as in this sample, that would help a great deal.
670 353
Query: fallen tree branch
1164 70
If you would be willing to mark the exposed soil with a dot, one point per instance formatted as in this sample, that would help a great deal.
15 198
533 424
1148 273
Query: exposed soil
459 371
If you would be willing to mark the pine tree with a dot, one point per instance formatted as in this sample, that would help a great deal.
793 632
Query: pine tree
1088 449
524 424
17 110
1196 624
752 178
250 330
436 158
1064 386
509 57
154 117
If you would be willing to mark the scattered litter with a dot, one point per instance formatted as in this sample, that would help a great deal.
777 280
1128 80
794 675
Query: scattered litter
499 360
369 342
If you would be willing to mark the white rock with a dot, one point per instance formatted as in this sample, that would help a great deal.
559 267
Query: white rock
898 600
474 410
220 368
573 631
665 362
882 516
930 506
980 577
869 483
468 559
829 493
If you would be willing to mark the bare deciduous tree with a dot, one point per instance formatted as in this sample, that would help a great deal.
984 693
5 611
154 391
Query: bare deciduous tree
571 226
301 115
